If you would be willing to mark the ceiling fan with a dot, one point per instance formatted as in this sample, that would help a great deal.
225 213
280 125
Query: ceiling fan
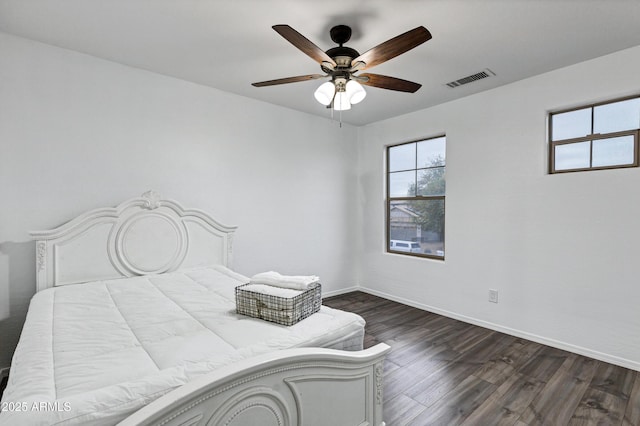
342 64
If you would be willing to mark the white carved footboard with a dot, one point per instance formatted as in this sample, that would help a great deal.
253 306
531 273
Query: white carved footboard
293 387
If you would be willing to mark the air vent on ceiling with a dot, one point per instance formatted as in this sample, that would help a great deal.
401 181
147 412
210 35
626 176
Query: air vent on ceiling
471 78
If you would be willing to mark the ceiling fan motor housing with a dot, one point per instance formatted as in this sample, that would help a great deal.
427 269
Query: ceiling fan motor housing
342 55
343 61
336 52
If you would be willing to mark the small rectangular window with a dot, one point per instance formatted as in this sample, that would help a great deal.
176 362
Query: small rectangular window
415 198
598 136
617 116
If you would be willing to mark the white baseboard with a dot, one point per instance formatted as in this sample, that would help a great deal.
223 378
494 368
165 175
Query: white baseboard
4 372
338 292
612 359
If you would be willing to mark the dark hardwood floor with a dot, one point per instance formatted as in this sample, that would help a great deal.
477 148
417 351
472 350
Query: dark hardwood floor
441 371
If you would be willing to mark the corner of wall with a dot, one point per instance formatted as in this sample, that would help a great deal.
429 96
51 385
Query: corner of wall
359 211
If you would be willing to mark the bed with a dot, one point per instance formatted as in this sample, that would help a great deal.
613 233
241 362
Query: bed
134 323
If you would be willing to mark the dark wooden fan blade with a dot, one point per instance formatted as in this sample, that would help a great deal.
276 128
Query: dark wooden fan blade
302 43
394 47
386 82
287 80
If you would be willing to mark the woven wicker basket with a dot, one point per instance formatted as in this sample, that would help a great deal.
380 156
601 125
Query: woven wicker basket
281 310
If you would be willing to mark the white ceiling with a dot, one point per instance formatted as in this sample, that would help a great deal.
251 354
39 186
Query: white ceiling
230 44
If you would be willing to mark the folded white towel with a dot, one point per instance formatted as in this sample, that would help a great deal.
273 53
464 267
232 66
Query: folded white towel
296 282
287 293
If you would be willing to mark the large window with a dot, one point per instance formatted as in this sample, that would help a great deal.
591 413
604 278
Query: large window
594 137
415 198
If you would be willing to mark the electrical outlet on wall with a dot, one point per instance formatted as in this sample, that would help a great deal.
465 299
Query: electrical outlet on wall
493 295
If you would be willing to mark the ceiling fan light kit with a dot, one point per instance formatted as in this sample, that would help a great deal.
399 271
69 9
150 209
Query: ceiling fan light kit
347 92
324 94
341 63
355 92
341 102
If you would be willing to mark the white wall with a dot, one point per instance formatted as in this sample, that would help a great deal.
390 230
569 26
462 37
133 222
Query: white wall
78 133
562 249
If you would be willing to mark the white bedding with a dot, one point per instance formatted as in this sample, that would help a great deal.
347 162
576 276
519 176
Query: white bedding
93 353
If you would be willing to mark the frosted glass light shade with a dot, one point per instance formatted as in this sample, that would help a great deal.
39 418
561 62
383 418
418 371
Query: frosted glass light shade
355 92
341 102
324 93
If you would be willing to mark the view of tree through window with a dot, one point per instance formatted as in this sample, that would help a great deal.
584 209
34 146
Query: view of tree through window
416 188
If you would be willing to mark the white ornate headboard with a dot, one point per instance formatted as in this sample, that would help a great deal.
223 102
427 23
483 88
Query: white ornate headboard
144 235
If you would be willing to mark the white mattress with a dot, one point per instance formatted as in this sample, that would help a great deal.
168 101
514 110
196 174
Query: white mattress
93 353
